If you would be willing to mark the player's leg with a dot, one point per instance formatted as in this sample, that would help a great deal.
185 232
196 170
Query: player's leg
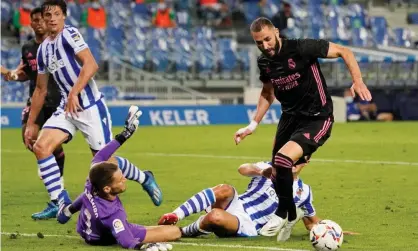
283 178
45 114
310 134
145 178
219 196
96 126
55 132
159 233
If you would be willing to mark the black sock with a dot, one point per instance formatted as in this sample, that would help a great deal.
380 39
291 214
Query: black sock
60 158
55 202
284 186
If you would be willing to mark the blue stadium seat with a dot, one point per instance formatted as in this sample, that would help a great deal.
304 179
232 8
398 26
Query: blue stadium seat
412 18
402 37
14 57
182 50
159 53
227 55
244 58
110 92
6 11
115 41
252 10
74 11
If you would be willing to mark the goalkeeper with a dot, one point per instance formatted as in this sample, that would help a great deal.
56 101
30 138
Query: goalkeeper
102 220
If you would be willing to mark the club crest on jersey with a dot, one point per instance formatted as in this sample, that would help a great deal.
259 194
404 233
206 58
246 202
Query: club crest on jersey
291 63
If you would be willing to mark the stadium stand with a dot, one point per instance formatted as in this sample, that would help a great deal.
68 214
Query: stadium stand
197 55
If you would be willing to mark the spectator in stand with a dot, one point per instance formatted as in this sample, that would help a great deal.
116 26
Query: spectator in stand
164 16
213 12
95 16
359 110
280 19
22 21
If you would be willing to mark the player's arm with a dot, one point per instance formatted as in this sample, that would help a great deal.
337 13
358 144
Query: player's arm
250 170
120 228
17 74
347 55
88 69
264 102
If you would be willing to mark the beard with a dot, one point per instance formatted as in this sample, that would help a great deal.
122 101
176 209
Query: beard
276 49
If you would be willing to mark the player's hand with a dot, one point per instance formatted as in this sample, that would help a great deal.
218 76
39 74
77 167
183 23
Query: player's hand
156 247
29 133
244 132
361 89
241 134
63 216
132 120
73 106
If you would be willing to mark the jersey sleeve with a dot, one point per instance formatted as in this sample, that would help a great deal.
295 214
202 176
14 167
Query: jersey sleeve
72 39
307 206
313 48
119 226
40 61
262 66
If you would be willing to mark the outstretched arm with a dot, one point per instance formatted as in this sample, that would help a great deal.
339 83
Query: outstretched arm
347 55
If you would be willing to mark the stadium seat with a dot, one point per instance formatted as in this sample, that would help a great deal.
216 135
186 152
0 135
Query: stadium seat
402 37
412 18
13 57
6 11
227 56
74 11
110 92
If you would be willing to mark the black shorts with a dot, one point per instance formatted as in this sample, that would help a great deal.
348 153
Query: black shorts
309 132
44 115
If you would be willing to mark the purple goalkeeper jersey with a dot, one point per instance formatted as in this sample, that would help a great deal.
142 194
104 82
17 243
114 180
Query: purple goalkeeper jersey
104 222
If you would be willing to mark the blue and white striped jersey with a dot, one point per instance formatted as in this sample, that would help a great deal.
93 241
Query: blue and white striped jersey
260 200
58 57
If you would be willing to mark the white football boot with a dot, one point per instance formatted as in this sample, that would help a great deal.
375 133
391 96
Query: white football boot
273 226
285 232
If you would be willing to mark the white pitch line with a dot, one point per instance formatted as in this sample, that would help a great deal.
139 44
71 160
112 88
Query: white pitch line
182 243
210 156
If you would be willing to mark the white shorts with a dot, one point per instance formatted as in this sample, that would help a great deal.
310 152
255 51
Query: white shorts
246 227
94 123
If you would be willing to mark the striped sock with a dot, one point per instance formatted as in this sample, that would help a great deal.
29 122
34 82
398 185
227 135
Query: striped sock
193 230
197 203
130 171
50 175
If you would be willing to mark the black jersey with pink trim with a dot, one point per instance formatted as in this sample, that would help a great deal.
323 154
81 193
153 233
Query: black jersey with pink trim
297 78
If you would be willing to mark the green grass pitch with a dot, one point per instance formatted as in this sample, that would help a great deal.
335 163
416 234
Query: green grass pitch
375 196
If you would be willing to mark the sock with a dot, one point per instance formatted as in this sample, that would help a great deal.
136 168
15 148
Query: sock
197 203
193 230
284 186
50 175
60 158
130 171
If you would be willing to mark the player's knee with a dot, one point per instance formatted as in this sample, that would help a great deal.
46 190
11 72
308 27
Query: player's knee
223 191
176 233
41 149
215 217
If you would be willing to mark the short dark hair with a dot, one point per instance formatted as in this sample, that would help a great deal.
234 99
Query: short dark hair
35 11
261 22
60 3
101 175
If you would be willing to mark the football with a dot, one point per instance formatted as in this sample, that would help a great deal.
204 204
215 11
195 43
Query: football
326 235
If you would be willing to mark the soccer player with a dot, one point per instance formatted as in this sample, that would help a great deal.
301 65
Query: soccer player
27 70
66 57
230 214
290 72
102 219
